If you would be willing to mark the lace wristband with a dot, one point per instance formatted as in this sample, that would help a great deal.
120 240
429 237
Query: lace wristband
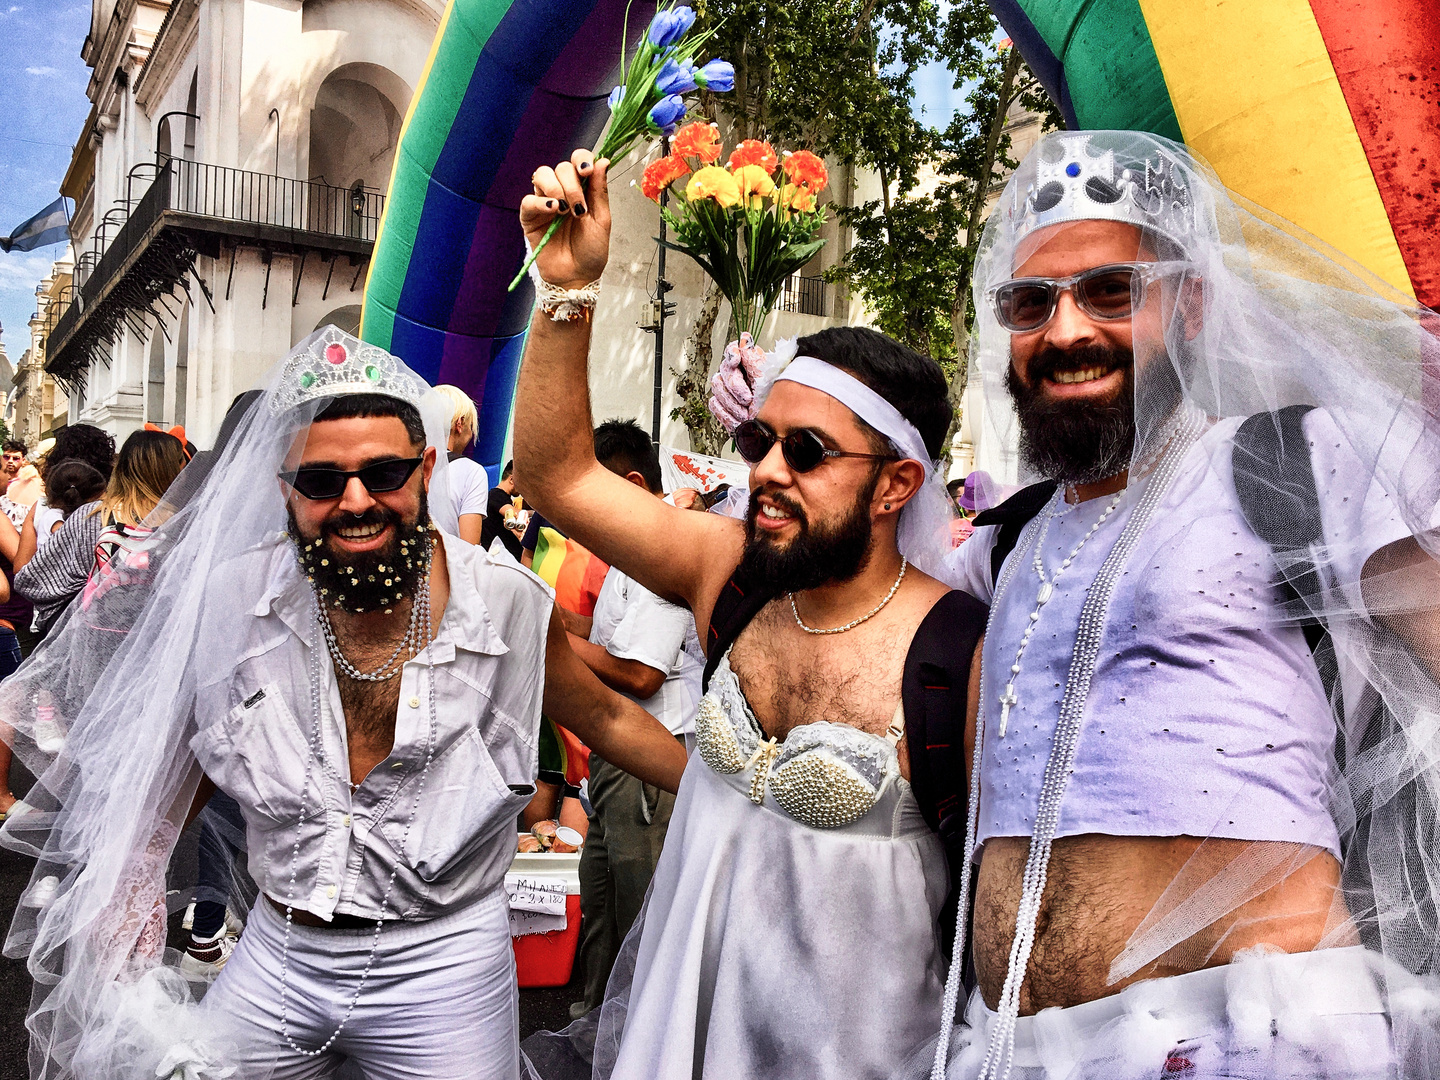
564 305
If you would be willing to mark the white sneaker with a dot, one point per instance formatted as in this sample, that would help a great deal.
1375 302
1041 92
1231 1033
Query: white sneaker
206 967
49 735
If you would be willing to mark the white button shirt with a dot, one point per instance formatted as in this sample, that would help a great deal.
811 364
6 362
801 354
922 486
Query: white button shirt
632 623
255 729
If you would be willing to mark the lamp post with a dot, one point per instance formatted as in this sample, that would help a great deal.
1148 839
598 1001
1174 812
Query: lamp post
662 310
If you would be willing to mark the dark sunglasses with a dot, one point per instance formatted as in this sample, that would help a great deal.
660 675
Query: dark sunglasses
379 478
1106 293
801 449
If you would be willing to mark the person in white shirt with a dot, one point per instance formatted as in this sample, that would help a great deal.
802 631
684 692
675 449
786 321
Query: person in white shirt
469 485
308 636
648 650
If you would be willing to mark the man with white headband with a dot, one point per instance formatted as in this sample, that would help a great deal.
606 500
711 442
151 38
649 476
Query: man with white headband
1200 825
792 924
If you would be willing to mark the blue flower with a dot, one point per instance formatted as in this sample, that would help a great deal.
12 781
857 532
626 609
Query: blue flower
716 75
676 78
616 97
670 26
665 117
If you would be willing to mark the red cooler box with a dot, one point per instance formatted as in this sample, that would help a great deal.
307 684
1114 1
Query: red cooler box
547 957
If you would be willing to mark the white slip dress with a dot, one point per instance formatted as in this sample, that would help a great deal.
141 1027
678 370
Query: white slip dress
791 927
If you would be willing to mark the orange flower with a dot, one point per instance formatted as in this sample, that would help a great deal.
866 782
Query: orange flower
698 140
807 171
660 174
753 182
795 198
754 152
715 183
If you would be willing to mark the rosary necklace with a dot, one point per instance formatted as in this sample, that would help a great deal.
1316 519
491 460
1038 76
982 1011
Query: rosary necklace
1047 589
853 622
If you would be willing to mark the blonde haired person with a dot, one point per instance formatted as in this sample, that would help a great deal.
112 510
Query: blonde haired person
147 464
469 485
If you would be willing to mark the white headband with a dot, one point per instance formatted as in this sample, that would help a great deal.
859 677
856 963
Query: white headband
862 401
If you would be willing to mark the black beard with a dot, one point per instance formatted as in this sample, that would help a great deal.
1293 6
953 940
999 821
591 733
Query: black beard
371 580
1075 442
816 556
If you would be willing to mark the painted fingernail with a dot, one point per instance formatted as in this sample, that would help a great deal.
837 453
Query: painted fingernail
564 206
579 210
585 166
549 204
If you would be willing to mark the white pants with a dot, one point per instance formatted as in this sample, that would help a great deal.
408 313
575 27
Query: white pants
441 1002
1336 1014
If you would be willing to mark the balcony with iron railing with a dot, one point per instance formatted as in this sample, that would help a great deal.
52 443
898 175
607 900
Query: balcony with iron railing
143 252
805 295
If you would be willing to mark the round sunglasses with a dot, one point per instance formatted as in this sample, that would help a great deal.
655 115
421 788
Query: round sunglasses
802 449
1107 293
383 476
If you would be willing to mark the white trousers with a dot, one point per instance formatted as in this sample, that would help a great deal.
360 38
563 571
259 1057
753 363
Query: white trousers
441 1002
1335 1014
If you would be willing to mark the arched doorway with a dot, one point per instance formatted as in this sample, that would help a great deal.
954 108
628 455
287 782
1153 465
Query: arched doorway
354 129
346 318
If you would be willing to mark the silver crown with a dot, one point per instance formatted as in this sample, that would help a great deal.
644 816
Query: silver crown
1071 183
330 363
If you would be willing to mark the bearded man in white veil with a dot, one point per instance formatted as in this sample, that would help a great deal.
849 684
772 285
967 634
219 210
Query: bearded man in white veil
1204 777
790 931
305 637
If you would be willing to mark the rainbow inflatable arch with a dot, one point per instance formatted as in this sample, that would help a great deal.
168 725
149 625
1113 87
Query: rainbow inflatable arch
1326 112
509 85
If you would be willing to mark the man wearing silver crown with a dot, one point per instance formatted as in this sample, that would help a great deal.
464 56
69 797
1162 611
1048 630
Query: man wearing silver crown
367 688
1204 776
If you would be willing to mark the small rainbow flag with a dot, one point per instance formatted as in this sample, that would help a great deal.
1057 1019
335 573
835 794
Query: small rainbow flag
571 569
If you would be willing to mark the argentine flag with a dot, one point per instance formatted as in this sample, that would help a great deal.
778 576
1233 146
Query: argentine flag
49 226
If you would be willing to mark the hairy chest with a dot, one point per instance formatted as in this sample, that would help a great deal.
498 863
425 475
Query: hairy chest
792 678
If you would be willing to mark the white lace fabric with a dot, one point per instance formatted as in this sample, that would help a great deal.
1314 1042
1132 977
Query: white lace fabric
103 714
825 775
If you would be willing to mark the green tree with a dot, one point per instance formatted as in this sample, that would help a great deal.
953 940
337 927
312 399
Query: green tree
837 77
816 74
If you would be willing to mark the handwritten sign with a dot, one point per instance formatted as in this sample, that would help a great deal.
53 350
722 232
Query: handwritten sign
537 906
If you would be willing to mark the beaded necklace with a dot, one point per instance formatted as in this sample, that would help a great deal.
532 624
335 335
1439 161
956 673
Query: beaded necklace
316 755
904 563
1000 1053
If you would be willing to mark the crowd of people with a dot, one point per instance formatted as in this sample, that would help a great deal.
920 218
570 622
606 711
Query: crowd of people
1126 773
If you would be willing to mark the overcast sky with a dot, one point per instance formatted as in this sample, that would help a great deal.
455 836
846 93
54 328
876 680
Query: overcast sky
42 105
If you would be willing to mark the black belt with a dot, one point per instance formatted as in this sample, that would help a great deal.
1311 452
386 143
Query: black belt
301 917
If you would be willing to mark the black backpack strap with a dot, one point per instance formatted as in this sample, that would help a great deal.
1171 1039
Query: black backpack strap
934 691
1012 516
1275 484
734 608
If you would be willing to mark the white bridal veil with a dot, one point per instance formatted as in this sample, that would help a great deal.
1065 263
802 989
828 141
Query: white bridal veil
1257 316
101 714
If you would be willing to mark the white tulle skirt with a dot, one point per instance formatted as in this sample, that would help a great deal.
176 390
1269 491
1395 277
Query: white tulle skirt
1335 1014
769 949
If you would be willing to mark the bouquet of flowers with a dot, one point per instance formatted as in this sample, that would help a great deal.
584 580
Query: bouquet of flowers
650 98
750 224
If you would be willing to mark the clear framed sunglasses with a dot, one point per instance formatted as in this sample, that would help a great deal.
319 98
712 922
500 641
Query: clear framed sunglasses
1107 293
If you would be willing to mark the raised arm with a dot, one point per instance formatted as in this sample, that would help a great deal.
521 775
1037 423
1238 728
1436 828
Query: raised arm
683 556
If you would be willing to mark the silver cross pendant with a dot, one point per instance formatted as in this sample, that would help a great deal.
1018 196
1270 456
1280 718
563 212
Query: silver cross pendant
1007 699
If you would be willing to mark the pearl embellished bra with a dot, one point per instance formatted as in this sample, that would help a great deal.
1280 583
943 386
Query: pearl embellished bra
824 775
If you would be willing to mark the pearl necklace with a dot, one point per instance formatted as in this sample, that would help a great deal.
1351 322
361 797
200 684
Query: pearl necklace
419 614
853 622
317 755
999 1056
1047 589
